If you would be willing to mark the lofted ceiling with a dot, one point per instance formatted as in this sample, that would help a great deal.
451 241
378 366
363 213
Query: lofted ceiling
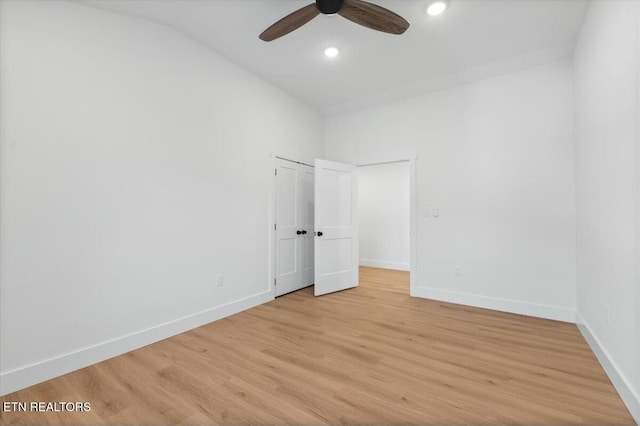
472 39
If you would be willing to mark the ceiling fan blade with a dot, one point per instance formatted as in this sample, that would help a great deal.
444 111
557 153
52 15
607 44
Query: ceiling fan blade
374 17
290 22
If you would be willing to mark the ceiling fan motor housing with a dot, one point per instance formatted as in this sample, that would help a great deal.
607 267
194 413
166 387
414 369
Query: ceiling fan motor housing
329 7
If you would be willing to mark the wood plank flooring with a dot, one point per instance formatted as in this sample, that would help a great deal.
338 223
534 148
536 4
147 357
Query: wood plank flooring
371 355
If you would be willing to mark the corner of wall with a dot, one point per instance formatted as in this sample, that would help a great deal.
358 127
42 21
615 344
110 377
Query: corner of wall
622 383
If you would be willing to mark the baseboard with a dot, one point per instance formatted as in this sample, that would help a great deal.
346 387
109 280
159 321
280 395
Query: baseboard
385 265
622 383
497 304
30 375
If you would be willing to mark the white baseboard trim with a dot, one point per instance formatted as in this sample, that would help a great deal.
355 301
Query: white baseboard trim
622 383
497 304
385 265
30 375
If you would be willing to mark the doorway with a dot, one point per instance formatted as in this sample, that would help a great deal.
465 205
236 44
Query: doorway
386 216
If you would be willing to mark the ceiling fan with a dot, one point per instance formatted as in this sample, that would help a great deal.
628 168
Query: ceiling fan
361 12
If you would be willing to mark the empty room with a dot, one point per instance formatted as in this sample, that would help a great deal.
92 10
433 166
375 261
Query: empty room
380 212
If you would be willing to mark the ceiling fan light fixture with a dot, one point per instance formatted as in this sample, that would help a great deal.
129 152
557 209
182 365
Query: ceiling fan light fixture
436 7
331 52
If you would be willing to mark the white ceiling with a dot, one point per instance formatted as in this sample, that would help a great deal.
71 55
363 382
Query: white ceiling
472 39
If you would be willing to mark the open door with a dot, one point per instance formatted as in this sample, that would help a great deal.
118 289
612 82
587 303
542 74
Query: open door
336 227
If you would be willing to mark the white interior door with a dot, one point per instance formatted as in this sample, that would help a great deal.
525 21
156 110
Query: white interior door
288 262
306 223
336 227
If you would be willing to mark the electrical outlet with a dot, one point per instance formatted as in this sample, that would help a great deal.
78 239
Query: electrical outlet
458 271
220 280
607 313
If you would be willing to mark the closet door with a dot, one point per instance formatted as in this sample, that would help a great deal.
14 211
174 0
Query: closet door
294 226
288 250
306 224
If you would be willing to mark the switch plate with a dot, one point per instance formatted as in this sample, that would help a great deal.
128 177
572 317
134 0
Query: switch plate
458 271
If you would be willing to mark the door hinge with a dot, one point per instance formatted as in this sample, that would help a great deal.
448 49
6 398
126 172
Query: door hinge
274 282
276 172
275 227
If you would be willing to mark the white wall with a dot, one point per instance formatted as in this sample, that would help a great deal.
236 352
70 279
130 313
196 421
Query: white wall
383 215
496 158
608 187
135 168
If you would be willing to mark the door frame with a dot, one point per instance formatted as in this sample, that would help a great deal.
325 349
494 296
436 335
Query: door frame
273 164
413 228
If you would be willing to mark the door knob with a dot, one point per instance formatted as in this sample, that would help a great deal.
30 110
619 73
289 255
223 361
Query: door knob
304 232
298 232
319 233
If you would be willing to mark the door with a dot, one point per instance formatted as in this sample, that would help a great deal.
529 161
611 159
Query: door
294 226
307 213
287 215
336 227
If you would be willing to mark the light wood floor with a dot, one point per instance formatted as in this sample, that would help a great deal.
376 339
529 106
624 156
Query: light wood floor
371 355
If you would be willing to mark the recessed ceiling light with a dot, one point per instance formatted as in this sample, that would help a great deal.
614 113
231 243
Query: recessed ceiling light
436 7
331 52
